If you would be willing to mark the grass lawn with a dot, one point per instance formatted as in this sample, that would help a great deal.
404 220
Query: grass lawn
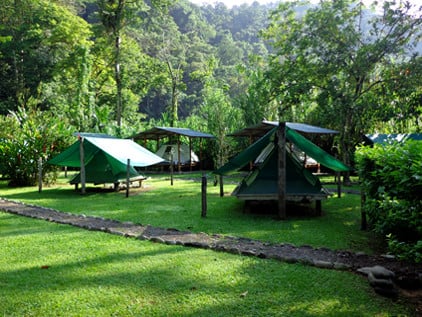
179 206
48 269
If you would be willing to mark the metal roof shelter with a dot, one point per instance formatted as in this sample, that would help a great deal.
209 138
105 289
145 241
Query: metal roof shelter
260 129
157 133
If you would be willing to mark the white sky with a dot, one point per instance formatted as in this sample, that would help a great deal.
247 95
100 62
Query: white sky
231 3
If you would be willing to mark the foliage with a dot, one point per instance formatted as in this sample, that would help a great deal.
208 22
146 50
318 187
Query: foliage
42 41
334 57
30 135
218 114
391 179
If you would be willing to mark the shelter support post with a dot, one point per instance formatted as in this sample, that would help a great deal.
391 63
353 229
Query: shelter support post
200 154
281 142
190 154
221 185
179 165
82 163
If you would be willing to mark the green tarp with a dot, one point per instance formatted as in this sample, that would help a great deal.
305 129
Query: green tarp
312 150
106 159
262 182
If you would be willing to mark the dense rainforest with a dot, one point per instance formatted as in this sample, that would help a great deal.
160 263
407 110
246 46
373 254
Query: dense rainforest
120 67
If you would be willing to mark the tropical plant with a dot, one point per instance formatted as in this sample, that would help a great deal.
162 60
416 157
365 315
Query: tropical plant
391 180
30 135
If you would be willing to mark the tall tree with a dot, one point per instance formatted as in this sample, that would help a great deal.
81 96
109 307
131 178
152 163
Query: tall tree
39 41
115 16
333 55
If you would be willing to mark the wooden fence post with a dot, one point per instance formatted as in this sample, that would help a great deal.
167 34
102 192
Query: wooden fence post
204 195
171 169
40 175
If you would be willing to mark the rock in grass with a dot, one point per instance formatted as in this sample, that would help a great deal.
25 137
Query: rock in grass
377 271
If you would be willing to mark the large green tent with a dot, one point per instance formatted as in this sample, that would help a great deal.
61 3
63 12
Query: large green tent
105 159
262 182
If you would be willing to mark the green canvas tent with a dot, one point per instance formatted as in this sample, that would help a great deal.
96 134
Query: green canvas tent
105 159
262 182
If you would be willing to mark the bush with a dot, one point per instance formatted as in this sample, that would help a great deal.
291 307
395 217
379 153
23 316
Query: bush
391 178
27 136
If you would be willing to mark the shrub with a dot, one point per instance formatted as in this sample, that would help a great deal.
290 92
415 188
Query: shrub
27 136
391 178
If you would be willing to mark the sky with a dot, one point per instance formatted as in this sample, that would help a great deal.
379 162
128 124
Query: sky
230 3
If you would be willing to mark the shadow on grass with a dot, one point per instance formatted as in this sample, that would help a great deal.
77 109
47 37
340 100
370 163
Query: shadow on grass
95 269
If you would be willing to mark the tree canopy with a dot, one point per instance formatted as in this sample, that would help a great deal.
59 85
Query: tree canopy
121 66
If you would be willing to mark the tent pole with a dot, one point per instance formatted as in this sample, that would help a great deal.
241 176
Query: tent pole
127 177
281 142
82 162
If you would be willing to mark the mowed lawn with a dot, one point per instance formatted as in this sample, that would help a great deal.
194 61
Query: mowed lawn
48 269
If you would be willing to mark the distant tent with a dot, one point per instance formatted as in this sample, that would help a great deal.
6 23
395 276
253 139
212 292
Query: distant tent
262 182
173 134
170 152
106 159
371 139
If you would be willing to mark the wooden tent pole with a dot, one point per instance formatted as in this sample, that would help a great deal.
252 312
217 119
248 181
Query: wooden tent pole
127 177
82 163
281 142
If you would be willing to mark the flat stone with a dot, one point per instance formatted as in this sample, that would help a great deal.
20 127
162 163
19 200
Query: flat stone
378 271
323 264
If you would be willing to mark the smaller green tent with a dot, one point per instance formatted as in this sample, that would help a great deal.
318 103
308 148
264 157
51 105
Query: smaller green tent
105 159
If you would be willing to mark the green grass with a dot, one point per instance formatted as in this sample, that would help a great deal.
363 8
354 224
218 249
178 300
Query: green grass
48 269
96 274
179 206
